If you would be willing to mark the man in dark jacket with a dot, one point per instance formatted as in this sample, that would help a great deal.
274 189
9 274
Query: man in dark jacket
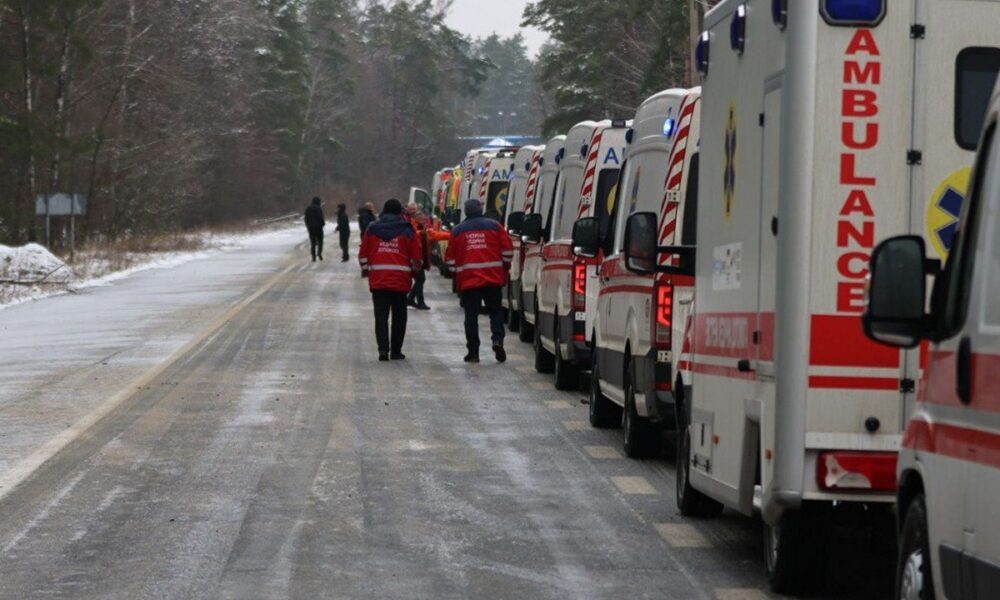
315 222
366 216
344 229
390 251
480 253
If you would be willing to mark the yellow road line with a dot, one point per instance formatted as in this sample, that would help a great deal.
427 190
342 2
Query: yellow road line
602 452
576 425
557 404
682 535
634 486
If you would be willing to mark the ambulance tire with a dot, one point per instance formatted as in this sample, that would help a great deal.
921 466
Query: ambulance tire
604 413
691 502
527 331
913 569
795 552
543 360
640 435
567 376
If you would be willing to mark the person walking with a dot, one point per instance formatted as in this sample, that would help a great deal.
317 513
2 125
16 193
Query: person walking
366 216
344 228
390 252
480 253
315 222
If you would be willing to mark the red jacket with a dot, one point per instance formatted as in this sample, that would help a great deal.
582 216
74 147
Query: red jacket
480 253
390 252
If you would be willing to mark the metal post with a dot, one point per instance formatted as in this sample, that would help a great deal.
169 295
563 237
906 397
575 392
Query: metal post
48 224
72 226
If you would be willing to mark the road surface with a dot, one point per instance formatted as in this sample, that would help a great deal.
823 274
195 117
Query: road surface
222 429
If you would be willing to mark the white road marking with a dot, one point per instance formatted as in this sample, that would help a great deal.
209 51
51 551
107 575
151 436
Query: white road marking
740 594
635 486
540 386
20 472
602 452
682 535
557 404
576 425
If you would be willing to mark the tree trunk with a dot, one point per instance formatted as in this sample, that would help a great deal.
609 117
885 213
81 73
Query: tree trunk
29 111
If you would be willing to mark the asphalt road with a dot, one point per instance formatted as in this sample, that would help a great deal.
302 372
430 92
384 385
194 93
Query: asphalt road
245 443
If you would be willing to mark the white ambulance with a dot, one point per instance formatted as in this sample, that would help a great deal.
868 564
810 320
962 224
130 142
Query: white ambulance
522 182
494 171
471 179
534 232
949 466
640 318
826 125
588 183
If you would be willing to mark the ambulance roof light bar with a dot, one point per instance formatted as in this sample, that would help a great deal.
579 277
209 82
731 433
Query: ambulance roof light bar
779 13
850 13
701 53
738 30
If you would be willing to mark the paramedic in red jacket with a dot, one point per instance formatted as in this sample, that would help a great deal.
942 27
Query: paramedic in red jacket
390 252
480 253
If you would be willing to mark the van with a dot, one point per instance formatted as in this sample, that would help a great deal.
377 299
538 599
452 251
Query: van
640 317
588 183
535 232
522 183
949 472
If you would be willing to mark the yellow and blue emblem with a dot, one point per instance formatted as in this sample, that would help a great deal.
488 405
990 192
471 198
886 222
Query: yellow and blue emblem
729 167
944 210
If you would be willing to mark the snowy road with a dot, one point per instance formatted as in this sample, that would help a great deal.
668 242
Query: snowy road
221 429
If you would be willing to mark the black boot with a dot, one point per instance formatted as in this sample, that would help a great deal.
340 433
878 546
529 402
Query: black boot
472 356
500 353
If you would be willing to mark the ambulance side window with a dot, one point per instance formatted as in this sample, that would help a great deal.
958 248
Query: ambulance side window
990 311
690 234
547 234
952 290
975 75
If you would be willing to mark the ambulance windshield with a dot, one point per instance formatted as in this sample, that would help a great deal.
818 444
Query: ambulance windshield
976 75
496 198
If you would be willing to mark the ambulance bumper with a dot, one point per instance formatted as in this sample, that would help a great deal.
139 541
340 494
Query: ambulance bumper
660 404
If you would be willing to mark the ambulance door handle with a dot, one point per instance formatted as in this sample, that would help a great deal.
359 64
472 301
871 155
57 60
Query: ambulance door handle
963 371
744 366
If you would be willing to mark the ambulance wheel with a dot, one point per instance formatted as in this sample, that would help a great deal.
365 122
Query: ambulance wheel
567 377
913 570
795 552
691 502
527 331
640 435
604 413
543 360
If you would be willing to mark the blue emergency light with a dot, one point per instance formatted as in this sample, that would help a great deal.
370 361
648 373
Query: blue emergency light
583 150
629 135
779 13
738 29
853 12
701 53
668 127
560 155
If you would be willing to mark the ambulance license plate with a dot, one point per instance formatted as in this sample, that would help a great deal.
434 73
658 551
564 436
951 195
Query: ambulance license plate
581 316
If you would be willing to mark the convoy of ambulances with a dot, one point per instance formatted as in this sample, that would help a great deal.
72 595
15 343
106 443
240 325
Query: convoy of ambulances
537 224
826 125
588 183
640 319
522 183
494 173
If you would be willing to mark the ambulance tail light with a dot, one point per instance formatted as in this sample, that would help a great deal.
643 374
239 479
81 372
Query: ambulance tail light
858 471
663 314
579 284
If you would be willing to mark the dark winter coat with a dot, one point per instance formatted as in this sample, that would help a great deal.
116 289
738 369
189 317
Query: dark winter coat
344 225
314 218
365 218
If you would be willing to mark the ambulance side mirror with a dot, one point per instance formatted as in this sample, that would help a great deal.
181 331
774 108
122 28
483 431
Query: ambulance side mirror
586 237
897 292
640 243
515 222
531 232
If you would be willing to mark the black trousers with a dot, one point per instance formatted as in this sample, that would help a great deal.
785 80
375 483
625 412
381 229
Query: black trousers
417 293
471 301
387 302
316 242
344 239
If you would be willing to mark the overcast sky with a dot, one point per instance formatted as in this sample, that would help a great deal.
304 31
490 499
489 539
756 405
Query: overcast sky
479 18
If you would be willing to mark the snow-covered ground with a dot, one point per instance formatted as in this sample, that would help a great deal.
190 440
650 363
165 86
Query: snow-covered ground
31 272
65 355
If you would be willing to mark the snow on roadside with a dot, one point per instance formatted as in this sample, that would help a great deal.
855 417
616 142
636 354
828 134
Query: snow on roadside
40 274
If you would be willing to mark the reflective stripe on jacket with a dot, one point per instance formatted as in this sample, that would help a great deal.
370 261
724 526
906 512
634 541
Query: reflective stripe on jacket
390 252
480 253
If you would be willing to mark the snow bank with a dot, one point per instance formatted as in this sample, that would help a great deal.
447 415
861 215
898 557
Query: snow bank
32 264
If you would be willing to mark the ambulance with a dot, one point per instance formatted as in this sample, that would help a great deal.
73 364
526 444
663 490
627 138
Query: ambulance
949 471
534 231
471 171
522 182
826 126
493 174
588 182
639 320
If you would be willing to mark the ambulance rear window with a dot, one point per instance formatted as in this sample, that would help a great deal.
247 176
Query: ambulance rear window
975 75
497 196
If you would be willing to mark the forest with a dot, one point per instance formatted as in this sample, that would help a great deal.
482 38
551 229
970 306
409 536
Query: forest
169 115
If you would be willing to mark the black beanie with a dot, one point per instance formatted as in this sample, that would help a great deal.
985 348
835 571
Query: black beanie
392 207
